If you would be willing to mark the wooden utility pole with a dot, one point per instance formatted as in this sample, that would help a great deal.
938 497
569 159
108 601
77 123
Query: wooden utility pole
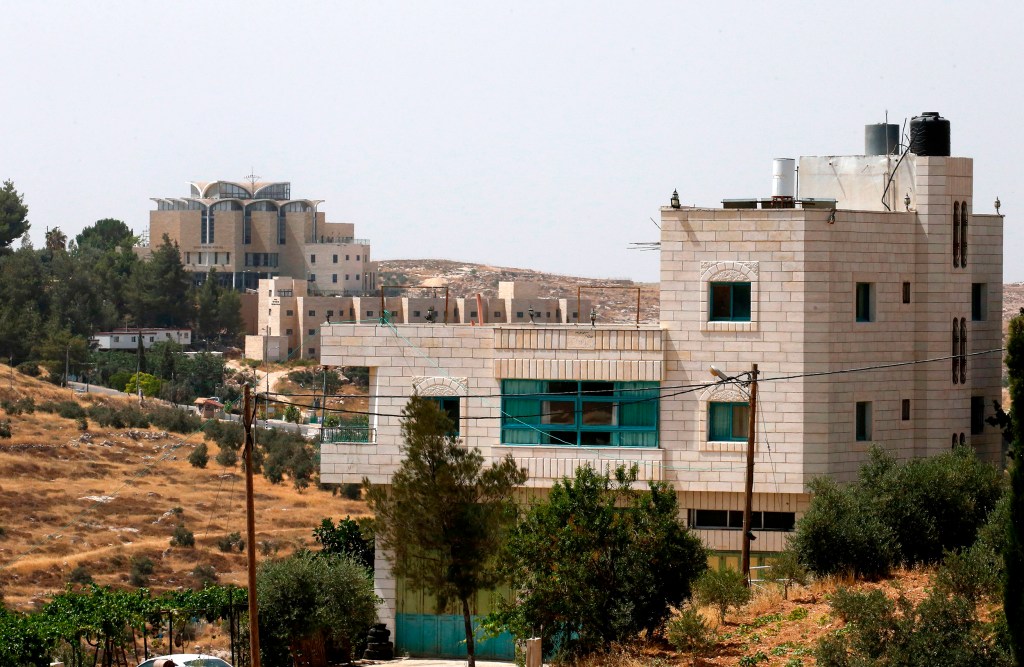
748 494
248 415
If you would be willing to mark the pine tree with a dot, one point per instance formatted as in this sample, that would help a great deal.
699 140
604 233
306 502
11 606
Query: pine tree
13 215
444 516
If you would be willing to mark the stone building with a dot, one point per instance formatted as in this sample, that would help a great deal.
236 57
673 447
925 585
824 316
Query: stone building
870 302
249 231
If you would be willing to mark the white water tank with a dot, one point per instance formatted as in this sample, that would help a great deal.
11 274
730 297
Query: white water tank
783 177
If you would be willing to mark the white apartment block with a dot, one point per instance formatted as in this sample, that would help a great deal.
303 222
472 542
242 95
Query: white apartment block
879 260
128 339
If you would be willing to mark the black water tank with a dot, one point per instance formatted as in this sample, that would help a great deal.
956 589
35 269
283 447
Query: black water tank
929 134
881 139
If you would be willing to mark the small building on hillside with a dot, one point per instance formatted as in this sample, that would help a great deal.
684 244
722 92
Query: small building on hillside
128 339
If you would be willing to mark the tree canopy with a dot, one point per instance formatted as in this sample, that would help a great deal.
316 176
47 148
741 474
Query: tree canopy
13 215
106 235
597 562
445 516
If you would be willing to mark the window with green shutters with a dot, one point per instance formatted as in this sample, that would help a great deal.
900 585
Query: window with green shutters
579 413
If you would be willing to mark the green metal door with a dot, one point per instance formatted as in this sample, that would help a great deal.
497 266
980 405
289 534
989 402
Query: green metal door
444 636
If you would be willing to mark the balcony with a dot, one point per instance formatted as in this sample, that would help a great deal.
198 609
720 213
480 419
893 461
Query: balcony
359 435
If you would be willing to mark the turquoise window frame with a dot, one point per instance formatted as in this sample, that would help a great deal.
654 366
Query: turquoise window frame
732 303
722 425
571 413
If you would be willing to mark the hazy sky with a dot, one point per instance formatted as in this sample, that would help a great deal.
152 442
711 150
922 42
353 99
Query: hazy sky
528 134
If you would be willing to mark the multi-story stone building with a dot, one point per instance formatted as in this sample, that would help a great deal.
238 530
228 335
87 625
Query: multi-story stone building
289 318
253 230
869 320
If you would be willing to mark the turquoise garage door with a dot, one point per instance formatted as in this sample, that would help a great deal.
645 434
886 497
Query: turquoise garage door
444 636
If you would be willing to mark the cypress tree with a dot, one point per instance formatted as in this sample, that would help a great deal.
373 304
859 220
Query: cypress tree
1013 592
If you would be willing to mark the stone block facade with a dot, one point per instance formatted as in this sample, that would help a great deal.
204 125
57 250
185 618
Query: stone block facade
869 325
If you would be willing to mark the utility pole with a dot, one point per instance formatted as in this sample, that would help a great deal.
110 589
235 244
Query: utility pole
248 415
748 495
67 357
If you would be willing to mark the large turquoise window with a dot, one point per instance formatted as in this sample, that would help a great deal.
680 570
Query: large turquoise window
574 413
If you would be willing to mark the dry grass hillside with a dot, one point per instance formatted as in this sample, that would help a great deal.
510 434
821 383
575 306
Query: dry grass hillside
102 497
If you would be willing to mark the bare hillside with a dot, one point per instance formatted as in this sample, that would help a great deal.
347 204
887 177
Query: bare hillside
102 498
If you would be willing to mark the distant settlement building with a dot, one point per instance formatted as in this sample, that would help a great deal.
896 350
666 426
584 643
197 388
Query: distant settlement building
128 339
249 231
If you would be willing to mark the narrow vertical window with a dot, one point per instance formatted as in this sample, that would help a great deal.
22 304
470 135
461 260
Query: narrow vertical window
963 350
863 421
955 351
977 415
979 299
865 305
963 234
905 409
906 292
956 234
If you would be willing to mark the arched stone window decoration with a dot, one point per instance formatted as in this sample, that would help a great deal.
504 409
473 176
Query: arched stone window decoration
963 234
719 393
434 385
956 234
736 273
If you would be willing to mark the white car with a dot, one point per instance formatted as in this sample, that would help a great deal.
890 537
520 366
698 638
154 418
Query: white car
185 660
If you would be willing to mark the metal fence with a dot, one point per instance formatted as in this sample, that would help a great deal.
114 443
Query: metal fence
354 434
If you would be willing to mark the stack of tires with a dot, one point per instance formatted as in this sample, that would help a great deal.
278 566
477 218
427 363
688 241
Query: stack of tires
378 644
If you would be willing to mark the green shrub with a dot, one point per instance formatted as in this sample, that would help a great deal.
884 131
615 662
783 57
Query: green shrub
199 456
5 428
231 542
292 414
933 504
150 384
66 409
80 575
896 513
120 380
352 491
29 368
723 589
226 458
798 614
689 634
597 562
842 532
82 423
788 570
141 570
307 598
941 631
183 537
205 575
175 420
753 660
